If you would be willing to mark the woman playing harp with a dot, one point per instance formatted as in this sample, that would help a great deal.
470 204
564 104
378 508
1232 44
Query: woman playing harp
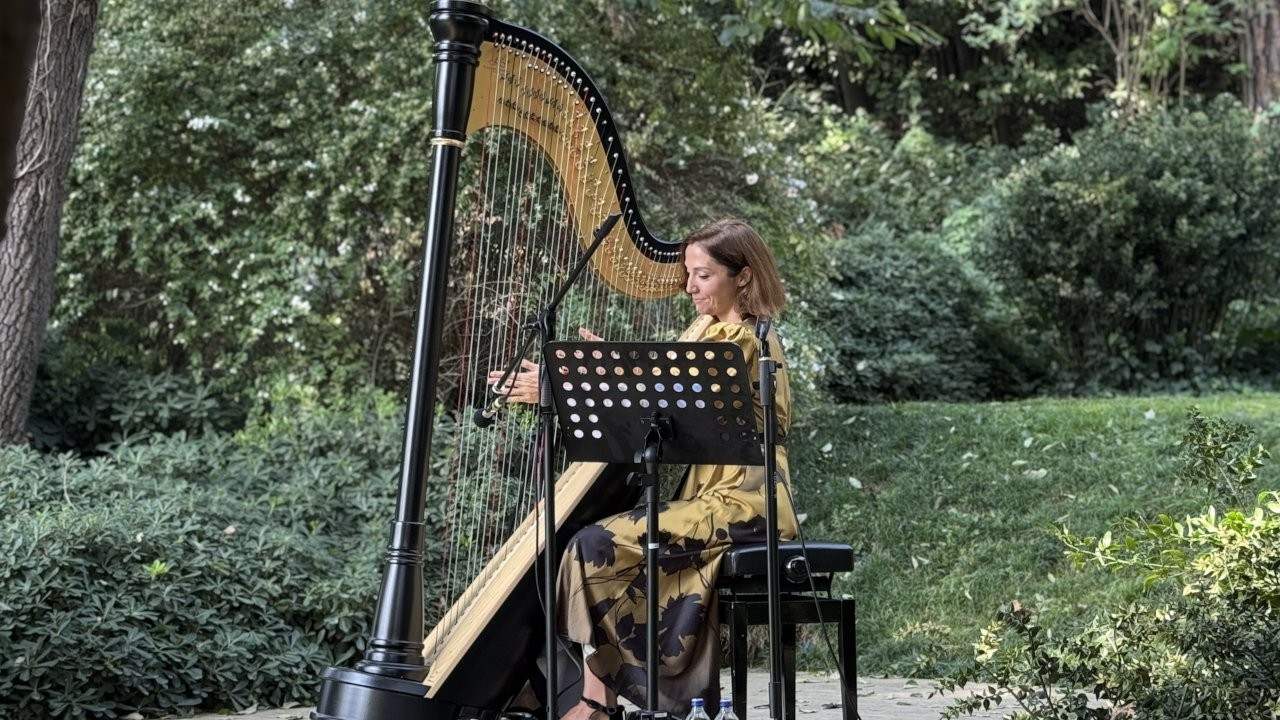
733 279
526 165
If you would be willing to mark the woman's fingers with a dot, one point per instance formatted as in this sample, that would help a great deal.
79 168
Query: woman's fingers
526 367
521 386
588 335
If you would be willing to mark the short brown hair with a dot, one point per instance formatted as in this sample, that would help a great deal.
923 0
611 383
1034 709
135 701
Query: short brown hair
737 245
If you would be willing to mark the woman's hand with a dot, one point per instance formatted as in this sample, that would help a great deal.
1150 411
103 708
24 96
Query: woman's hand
521 384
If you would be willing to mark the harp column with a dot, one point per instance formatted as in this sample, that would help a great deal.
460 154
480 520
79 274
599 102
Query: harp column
395 647
387 683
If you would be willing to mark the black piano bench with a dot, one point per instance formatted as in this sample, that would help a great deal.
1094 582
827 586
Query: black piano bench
744 602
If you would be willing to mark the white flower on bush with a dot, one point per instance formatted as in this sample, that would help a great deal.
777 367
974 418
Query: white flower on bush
753 178
203 122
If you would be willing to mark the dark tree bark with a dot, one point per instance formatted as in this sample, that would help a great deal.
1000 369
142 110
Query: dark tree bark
19 28
1260 52
29 247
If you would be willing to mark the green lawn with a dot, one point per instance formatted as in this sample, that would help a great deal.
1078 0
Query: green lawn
951 507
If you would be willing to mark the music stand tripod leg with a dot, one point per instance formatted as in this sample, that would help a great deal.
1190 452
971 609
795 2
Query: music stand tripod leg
659 428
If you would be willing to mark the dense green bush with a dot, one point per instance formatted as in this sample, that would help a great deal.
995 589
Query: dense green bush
901 310
859 173
1133 244
248 187
909 319
1257 330
86 408
216 572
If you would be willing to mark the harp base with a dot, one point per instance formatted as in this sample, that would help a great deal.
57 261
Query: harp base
347 694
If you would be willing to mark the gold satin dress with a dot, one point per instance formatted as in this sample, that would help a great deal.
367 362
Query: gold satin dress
601 601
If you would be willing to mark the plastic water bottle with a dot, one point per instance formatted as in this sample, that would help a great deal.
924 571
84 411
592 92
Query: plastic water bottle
726 711
697 712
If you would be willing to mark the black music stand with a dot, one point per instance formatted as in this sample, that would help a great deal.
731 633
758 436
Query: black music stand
653 403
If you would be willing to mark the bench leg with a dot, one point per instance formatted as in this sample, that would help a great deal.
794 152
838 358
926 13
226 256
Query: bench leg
738 659
849 658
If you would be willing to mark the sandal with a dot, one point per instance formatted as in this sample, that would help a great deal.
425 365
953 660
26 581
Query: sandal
613 712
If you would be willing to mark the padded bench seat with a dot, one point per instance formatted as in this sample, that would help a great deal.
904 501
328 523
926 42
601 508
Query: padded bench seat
805 571
796 562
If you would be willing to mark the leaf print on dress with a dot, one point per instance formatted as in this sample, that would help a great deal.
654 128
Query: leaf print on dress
595 545
600 610
632 637
747 531
682 618
675 557
640 512
631 676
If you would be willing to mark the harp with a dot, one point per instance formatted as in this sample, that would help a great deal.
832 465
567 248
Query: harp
526 164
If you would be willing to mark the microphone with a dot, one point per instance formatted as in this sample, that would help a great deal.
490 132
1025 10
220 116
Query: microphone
484 416
762 327
762 333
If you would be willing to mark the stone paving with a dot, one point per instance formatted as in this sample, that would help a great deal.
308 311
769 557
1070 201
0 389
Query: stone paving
817 698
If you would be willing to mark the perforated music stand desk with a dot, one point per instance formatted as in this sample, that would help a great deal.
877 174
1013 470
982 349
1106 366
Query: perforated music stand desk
605 393
664 402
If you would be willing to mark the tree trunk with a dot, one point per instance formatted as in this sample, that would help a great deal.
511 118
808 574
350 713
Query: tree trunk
29 248
19 28
853 95
1260 51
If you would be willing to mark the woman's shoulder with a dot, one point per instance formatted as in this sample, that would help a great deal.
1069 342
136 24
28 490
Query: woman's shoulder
731 331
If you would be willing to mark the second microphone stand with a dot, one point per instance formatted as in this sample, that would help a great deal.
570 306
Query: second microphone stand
773 582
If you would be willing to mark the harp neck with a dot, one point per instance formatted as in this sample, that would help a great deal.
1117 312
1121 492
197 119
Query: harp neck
511 77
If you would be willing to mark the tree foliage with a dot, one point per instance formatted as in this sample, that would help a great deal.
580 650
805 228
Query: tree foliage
1153 47
1134 243
247 200
246 190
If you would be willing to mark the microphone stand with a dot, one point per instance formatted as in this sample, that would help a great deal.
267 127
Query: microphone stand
768 367
543 329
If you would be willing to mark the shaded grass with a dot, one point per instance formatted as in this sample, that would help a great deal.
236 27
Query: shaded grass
952 508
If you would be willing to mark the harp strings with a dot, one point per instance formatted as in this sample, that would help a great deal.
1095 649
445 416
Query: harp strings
518 240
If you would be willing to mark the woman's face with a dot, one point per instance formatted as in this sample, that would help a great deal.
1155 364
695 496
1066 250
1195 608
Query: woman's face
713 291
